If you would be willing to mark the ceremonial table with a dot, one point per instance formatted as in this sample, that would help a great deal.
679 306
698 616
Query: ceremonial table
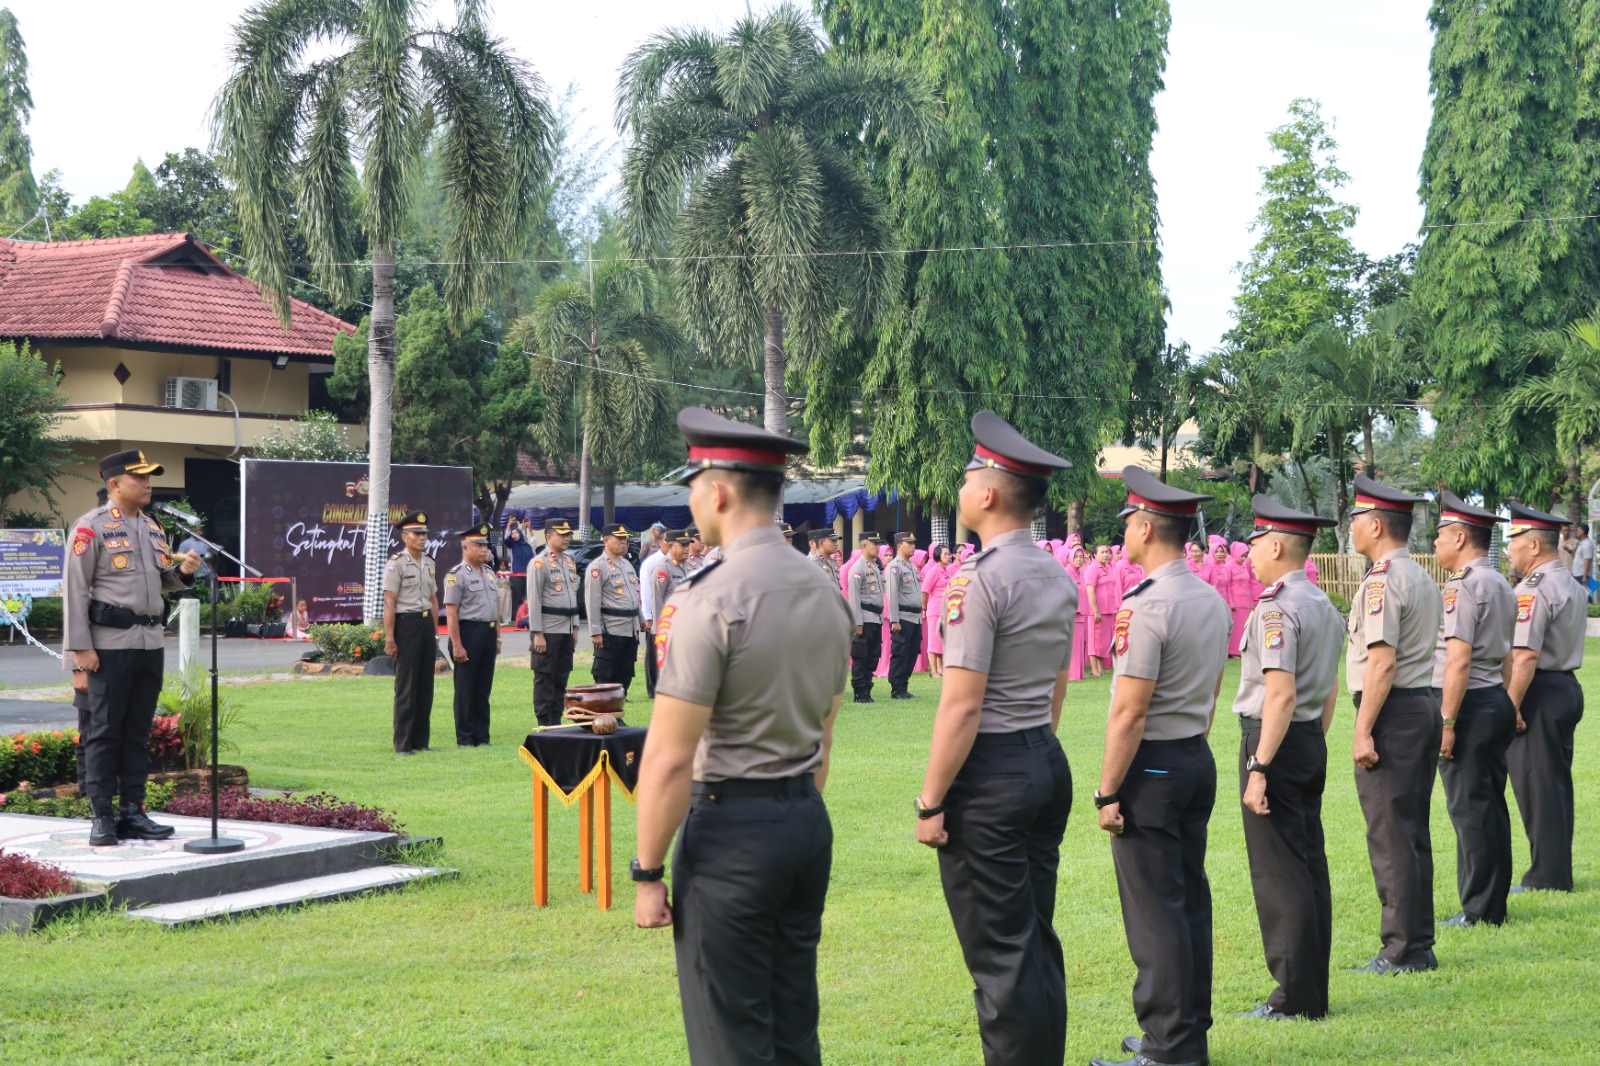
579 766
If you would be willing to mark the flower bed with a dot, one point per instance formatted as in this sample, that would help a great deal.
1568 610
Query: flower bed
25 878
347 643
40 759
318 810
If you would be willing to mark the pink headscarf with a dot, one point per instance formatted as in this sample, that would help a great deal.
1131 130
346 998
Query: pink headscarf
1239 549
885 553
966 551
919 557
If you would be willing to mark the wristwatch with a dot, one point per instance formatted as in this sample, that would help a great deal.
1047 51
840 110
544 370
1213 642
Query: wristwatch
1256 766
639 873
1449 723
927 812
1106 801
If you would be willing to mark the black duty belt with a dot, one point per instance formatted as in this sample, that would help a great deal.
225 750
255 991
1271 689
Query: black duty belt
755 788
874 611
477 621
915 608
565 612
104 614
619 612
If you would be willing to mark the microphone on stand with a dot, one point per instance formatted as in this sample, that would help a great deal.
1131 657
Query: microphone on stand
183 516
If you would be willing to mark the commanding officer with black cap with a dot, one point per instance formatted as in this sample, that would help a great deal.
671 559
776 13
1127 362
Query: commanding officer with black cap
751 723
120 564
1287 686
552 619
1476 713
611 598
904 615
472 615
410 625
866 611
1158 781
1546 649
996 793
1394 625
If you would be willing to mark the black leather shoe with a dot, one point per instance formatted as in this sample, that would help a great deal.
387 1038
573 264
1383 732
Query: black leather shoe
1267 1012
1132 1044
1139 1059
136 825
103 833
1382 965
863 699
901 696
1462 920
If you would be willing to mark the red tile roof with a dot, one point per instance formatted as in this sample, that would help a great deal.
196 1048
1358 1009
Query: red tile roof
161 289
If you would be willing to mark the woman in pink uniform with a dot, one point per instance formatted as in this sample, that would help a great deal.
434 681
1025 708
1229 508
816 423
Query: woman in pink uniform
936 577
1217 573
1081 625
885 555
1241 594
1107 601
1196 558
1311 571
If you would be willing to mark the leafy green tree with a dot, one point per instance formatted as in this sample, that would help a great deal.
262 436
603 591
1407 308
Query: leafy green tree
19 195
1245 401
31 451
1513 137
597 342
740 161
1568 397
1165 397
317 436
383 83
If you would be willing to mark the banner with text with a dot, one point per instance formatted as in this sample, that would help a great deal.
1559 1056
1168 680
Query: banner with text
33 562
308 521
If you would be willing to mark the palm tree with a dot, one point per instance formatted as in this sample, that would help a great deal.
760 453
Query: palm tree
386 87
1570 393
740 160
594 344
1244 392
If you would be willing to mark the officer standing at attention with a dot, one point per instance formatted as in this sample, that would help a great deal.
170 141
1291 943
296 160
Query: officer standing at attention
472 616
662 573
1394 625
611 599
1475 711
553 620
1288 681
1546 649
1158 781
410 626
823 545
119 566
740 738
904 615
997 791
866 611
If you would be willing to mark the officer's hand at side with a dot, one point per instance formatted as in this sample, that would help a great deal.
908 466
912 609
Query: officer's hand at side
86 660
930 831
539 644
895 628
650 907
1255 795
599 639
80 681
190 562
1364 751
459 651
1447 743
390 648
858 631
1111 819
1522 726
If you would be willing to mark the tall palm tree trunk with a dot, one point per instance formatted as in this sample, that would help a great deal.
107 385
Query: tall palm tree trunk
1258 444
585 485
380 425
1368 449
775 411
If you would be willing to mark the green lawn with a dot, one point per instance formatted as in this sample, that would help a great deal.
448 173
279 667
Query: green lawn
467 971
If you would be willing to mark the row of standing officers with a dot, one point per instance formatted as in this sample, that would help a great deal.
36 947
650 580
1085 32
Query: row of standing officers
1480 677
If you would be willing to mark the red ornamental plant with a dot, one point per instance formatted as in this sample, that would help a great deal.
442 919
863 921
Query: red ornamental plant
25 878
318 809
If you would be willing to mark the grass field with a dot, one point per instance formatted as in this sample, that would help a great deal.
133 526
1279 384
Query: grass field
466 971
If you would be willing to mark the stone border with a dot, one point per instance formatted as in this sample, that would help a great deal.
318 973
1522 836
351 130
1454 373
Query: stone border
26 915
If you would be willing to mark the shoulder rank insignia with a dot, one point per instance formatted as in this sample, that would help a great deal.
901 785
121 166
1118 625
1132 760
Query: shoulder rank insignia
1379 567
699 574
978 557
1271 590
1140 587
1532 580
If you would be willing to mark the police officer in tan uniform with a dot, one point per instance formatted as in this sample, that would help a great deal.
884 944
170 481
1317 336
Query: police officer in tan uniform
1393 628
661 574
1475 712
410 622
472 615
118 567
997 791
552 620
823 545
1158 780
1288 681
611 597
740 738
904 615
866 612
1546 651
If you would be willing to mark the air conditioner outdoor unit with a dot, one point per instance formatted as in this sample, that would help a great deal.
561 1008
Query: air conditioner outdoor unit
192 394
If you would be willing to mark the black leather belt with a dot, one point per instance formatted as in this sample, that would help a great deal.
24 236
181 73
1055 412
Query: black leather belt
619 612
874 614
104 614
915 608
754 788
477 621
565 612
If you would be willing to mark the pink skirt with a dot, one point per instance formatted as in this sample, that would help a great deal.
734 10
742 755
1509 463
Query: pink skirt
1240 616
933 625
1102 637
1081 628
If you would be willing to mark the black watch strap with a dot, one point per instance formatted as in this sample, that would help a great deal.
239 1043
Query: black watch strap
1106 801
927 812
639 873
1256 766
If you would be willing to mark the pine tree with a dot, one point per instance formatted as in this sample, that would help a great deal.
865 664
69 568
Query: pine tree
1513 138
19 195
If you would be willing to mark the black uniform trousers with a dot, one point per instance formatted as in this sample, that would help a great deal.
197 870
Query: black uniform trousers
650 667
1160 859
1475 794
1289 866
1541 776
413 680
116 739
474 680
865 652
519 593
550 670
1005 813
749 879
904 647
615 660
1395 798
80 703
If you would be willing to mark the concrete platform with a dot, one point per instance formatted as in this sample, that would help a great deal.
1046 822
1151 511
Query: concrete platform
289 894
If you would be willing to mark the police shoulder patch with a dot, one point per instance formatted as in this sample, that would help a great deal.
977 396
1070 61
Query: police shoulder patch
1525 607
1375 597
1124 622
1449 601
450 578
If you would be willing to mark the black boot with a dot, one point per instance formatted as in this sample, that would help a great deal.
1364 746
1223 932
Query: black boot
136 825
103 832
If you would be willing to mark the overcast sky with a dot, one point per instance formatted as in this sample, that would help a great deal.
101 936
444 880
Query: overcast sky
113 81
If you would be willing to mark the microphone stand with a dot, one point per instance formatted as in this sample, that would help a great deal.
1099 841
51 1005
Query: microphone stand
214 844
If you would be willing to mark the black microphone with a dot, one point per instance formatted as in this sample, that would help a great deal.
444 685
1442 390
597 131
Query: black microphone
183 516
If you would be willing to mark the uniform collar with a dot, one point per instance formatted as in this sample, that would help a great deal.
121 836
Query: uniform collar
1010 538
1549 564
1177 566
1297 575
753 538
1476 560
1398 553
